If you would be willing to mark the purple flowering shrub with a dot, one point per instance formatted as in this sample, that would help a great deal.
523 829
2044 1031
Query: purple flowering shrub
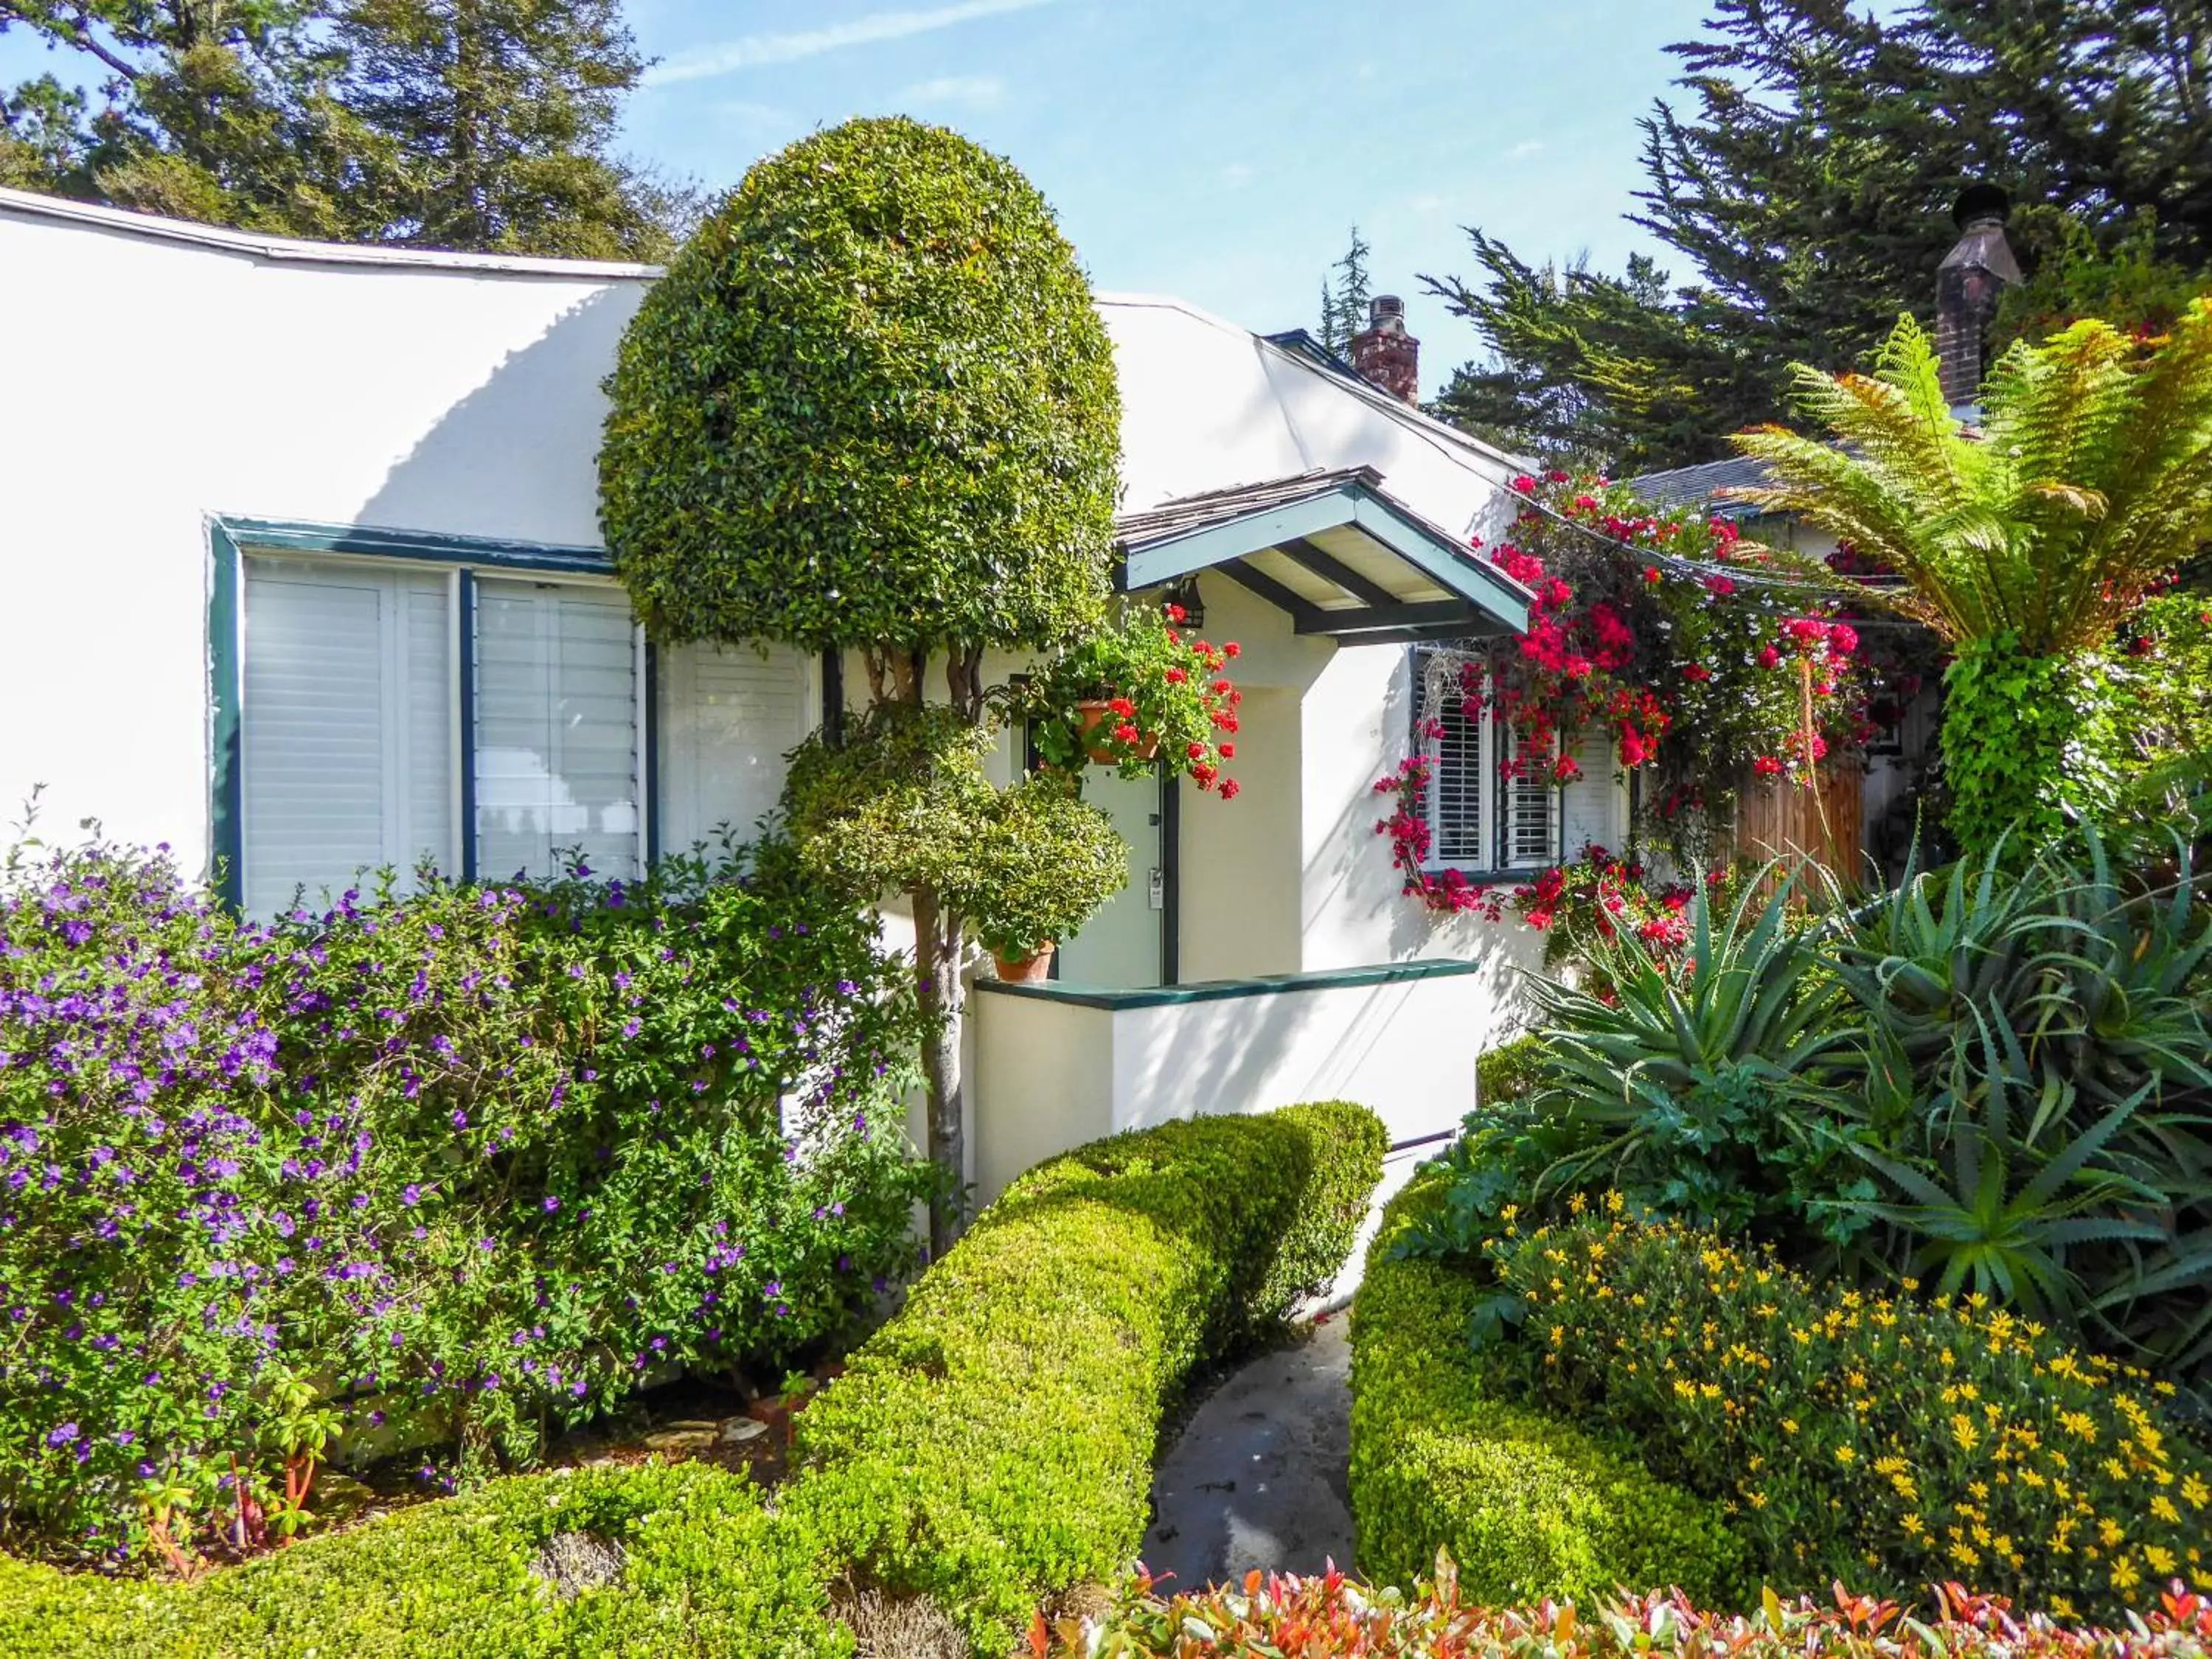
448 1169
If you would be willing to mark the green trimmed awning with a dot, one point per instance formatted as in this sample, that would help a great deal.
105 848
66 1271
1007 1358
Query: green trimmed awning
1344 557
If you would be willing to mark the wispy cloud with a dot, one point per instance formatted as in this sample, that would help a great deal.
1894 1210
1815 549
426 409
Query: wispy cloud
1524 149
1236 174
753 50
970 91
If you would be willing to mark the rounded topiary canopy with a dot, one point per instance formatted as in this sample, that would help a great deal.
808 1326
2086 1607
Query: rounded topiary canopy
870 404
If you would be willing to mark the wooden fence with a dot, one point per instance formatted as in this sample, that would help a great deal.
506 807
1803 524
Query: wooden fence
1791 821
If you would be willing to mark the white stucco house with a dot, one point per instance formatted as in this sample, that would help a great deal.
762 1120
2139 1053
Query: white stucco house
304 575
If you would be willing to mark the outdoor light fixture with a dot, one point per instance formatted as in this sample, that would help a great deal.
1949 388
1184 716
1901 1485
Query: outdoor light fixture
1184 592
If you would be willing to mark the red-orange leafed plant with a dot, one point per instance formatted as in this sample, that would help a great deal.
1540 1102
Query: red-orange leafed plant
1330 1616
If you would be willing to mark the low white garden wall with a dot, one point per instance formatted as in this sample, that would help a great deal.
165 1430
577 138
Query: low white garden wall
1056 1066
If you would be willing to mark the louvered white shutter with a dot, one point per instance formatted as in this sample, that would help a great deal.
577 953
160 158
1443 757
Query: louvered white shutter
1457 828
1529 805
1594 811
346 726
557 735
729 716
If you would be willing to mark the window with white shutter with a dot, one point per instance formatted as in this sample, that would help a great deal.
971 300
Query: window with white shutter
556 728
347 729
728 716
1482 819
1459 829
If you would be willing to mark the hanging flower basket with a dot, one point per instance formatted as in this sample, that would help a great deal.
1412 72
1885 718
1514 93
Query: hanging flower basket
1135 697
1030 970
1093 712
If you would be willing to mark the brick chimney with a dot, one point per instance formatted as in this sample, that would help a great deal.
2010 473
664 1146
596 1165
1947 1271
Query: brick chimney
1968 284
1384 354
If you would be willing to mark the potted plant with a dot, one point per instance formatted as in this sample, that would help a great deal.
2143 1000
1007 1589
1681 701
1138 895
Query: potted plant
1135 694
1046 863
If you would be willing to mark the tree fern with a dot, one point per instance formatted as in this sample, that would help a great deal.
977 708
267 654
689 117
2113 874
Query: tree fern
2089 477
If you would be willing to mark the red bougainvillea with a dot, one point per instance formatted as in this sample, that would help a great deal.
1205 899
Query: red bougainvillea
1707 670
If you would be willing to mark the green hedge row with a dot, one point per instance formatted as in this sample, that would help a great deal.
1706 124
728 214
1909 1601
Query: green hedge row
994 1442
707 1570
1529 1505
990 1446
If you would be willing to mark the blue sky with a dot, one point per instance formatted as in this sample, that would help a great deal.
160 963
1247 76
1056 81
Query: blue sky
1217 150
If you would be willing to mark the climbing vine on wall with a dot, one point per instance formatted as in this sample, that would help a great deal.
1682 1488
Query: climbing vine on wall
1708 670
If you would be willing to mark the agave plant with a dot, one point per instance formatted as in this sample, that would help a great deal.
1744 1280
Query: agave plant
1694 1083
2035 1048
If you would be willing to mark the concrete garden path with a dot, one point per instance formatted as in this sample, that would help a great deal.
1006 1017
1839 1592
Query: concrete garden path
1257 1477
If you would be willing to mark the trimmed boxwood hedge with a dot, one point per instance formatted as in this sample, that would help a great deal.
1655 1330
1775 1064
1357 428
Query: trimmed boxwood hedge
993 1444
707 1570
1527 1505
990 1446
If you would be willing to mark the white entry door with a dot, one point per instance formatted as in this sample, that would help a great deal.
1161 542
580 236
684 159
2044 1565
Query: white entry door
1120 945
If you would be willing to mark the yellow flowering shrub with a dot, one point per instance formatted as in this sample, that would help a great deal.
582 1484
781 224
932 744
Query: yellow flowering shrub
1890 1443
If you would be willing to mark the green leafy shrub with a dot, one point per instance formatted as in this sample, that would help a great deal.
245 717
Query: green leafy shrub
1532 1505
1888 1444
452 1168
870 403
994 1443
1329 1615
1508 1072
704 1569
904 804
991 1444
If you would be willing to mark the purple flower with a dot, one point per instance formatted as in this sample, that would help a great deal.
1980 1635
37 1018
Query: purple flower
66 1434
551 1203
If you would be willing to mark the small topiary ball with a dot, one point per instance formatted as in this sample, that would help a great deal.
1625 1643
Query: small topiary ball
870 404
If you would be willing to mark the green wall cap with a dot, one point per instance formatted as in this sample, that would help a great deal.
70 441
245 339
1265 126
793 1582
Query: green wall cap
1229 990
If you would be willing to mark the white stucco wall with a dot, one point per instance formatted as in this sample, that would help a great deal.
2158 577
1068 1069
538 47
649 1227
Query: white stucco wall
152 382
1052 1074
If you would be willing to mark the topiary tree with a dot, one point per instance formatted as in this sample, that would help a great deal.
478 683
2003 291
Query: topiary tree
871 406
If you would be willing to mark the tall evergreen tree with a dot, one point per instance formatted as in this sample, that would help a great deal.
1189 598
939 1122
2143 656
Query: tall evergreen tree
465 124
201 109
496 116
1344 300
1805 180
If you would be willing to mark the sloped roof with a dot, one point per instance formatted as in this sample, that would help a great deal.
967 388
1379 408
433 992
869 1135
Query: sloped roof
1210 406
1699 486
1170 519
1341 555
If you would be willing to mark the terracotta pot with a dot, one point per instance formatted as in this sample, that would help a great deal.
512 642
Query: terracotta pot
1026 970
1094 714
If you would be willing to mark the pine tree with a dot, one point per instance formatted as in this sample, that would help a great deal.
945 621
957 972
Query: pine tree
497 116
1806 180
465 124
1344 303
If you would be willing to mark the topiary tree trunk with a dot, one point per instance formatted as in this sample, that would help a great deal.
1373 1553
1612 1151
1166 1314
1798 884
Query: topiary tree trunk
942 996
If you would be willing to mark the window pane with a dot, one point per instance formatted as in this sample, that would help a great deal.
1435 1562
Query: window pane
347 723
728 716
1530 801
556 729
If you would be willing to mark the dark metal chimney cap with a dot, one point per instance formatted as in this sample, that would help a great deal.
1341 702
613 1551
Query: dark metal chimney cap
1981 201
